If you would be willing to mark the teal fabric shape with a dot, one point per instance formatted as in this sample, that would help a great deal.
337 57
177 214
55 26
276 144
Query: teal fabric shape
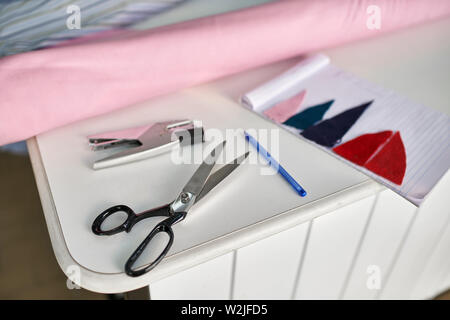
309 116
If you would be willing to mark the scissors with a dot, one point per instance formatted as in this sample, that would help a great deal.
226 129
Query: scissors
201 182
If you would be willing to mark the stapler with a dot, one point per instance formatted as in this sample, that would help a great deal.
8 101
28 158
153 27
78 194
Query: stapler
145 141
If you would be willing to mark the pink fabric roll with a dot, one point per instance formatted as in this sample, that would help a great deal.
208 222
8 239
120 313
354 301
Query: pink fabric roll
48 88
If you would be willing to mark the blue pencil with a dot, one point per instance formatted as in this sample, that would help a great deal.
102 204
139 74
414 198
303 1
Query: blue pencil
295 185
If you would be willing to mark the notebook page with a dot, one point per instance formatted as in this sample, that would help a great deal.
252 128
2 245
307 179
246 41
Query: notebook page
425 133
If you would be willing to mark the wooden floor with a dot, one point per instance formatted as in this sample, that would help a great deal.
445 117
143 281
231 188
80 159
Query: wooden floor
28 268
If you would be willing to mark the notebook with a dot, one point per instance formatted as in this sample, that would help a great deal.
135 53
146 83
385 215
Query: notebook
397 142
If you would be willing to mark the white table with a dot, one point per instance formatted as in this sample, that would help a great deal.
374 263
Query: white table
221 250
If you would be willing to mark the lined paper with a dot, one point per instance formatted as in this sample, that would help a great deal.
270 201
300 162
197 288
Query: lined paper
425 132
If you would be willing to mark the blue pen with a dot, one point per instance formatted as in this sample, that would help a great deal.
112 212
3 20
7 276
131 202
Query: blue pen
297 187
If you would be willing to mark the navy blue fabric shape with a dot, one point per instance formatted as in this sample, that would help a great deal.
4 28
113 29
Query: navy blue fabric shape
309 116
328 132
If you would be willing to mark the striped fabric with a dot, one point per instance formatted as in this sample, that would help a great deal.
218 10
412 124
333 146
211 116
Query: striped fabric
32 24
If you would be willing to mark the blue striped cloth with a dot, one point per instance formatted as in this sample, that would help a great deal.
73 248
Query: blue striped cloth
32 24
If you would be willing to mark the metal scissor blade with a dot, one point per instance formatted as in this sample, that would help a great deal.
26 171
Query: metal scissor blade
219 175
198 179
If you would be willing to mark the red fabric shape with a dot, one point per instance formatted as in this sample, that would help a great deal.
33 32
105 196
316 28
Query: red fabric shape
360 149
382 153
390 161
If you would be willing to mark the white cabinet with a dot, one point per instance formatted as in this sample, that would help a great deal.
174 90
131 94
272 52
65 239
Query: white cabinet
209 280
330 250
387 225
433 277
424 235
268 269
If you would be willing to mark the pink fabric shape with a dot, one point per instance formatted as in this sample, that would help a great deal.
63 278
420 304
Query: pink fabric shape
286 109
45 89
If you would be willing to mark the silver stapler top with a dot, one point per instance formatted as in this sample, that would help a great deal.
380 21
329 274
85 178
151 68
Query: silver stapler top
145 141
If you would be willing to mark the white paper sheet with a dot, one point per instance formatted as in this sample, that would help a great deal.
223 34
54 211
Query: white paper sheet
425 132
285 85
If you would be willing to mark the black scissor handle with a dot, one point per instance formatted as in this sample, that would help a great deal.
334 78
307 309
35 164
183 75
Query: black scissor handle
131 220
164 226
125 226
